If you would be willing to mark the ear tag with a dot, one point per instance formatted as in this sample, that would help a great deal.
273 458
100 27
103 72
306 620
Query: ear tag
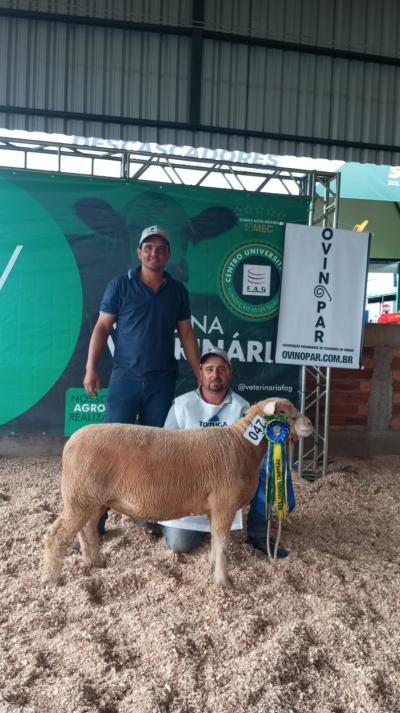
255 431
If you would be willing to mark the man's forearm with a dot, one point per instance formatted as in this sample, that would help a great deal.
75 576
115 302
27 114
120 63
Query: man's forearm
97 344
191 348
91 381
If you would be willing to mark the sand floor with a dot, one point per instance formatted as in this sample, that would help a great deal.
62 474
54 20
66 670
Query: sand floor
151 633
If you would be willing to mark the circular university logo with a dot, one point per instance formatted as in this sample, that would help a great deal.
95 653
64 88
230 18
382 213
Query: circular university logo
250 281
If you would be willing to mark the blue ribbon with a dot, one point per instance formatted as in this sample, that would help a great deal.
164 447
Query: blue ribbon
276 431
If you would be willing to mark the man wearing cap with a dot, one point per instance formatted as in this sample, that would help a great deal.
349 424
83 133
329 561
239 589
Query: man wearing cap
147 305
212 405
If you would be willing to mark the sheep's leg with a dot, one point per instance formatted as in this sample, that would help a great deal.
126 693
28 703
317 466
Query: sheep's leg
220 529
58 537
212 548
89 540
220 573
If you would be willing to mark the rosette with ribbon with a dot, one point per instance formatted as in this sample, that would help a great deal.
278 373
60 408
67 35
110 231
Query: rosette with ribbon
276 431
275 492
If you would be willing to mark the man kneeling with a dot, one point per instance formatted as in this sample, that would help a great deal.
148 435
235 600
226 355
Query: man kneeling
213 404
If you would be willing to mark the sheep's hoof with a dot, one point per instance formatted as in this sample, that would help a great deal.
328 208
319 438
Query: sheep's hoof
224 582
98 562
51 579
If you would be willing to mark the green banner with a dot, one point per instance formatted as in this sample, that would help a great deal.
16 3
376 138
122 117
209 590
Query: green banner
81 409
62 238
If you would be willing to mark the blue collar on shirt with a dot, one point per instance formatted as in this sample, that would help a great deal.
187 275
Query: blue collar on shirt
134 275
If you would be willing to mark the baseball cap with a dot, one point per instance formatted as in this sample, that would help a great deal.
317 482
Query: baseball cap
215 351
154 231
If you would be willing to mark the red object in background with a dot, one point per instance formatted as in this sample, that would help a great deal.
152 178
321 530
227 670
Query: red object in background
388 317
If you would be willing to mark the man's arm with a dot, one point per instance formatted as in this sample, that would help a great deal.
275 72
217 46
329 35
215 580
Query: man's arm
190 346
97 344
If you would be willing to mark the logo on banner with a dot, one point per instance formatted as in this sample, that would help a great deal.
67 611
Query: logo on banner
82 410
320 290
256 280
394 176
250 281
394 172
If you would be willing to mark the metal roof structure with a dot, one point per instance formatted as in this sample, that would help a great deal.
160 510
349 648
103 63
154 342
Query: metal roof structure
298 77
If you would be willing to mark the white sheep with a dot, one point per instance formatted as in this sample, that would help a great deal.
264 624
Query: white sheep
159 474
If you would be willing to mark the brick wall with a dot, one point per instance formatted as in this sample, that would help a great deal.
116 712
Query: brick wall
369 398
395 420
350 392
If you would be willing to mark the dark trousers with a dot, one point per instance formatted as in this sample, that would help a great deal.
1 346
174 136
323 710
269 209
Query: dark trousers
256 522
146 401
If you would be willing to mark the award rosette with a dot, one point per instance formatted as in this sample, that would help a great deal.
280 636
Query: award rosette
276 487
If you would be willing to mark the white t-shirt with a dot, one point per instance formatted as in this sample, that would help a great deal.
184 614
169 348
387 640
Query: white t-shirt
191 411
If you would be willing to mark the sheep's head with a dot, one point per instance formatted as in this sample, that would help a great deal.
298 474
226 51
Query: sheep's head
299 424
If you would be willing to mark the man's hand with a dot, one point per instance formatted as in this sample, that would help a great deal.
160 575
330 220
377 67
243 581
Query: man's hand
91 382
97 344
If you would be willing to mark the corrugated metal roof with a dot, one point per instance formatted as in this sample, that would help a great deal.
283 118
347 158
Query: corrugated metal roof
176 12
93 70
284 92
119 82
357 25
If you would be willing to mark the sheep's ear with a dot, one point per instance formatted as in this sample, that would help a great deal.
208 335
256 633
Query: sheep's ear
288 409
282 406
269 408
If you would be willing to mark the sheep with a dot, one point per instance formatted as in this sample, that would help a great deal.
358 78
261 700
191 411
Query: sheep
159 474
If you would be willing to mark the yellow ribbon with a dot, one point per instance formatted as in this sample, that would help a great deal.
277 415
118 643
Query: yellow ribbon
281 503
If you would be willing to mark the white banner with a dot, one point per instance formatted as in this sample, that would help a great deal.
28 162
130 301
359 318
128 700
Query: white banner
322 297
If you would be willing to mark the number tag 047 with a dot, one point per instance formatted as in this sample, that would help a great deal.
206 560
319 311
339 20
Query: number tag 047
255 431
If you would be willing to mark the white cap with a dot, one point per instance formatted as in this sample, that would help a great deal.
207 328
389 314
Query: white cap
215 351
154 231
